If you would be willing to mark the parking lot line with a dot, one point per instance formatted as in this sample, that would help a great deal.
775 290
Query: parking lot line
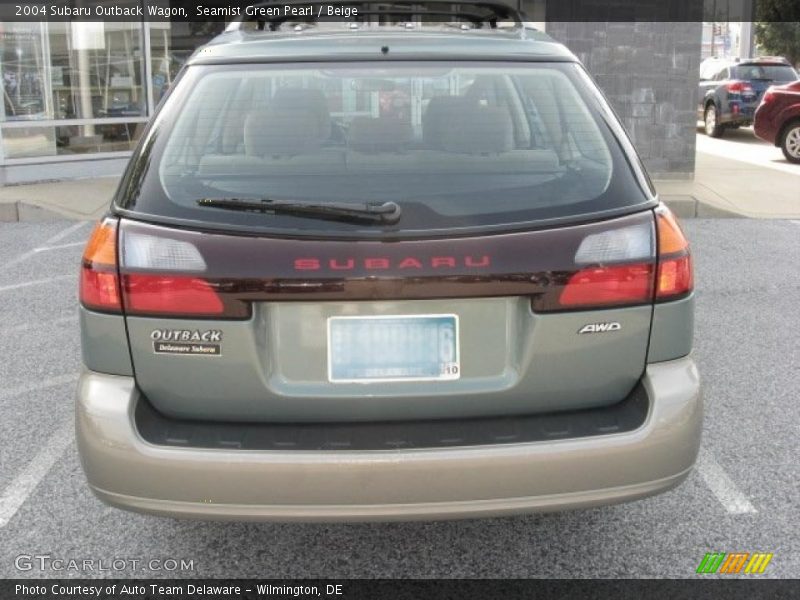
14 286
64 233
722 486
25 482
49 241
57 247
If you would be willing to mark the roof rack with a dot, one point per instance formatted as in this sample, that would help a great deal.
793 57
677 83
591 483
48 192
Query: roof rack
477 13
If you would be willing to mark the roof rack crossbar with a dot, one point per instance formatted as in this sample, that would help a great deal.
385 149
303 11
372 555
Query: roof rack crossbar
465 10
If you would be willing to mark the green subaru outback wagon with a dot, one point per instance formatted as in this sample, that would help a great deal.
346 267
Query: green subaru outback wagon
396 267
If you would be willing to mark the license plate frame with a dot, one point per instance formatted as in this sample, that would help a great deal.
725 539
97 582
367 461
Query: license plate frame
448 370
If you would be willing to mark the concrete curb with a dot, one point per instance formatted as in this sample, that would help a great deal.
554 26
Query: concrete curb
689 207
12 212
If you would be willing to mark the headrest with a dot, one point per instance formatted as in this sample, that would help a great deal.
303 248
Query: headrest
384 134
280 133
478 130
436 118
313 101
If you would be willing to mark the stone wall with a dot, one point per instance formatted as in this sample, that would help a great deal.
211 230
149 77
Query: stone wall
649 72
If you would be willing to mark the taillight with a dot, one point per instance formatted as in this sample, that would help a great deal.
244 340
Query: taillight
166 277
99 285
603 286
768 96
675 277
170 294
615 268
739 87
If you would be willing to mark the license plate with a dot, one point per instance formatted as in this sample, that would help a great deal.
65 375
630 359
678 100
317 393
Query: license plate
393 348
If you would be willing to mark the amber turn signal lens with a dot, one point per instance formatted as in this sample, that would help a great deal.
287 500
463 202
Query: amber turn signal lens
99 283
675 271
101 249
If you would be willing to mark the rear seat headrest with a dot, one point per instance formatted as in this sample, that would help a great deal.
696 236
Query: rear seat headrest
280 133
435 118
475 129
313 101
383 134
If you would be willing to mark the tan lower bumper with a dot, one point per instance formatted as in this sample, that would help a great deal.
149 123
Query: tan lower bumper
128 472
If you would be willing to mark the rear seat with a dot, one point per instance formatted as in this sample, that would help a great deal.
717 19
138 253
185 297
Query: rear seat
461 136
476 129
286 137
434 120
381 134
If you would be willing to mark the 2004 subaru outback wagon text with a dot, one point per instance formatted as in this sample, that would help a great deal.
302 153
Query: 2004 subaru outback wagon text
382 273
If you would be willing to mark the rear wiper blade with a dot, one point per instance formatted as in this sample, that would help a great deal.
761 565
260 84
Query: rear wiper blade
365 212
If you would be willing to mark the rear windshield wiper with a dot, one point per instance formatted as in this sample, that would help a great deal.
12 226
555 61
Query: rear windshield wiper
365 212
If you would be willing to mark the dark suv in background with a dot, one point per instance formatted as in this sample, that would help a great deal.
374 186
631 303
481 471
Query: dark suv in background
731 90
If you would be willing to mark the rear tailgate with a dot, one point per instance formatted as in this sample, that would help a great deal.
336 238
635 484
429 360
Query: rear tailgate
235 328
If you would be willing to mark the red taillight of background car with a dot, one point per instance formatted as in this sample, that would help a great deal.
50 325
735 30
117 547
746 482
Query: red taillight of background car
739 87
99 283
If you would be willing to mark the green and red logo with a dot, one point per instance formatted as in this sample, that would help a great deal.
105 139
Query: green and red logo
732 563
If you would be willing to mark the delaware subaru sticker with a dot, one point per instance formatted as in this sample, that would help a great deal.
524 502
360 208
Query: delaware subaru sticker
189 342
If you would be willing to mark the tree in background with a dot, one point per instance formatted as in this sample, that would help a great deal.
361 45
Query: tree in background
777 28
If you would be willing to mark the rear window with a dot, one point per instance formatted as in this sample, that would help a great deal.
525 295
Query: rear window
781 73
457 147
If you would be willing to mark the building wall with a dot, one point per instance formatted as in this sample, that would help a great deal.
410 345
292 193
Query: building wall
649 72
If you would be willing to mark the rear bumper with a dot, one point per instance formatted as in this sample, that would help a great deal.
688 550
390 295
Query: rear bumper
126 471
736 119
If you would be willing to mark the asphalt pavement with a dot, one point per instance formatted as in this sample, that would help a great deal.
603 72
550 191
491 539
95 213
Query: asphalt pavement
743 497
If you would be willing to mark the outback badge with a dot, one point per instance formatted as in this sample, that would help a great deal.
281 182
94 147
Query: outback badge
600 327
189 342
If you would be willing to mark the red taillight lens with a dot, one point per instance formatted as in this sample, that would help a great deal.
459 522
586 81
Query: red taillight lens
164 276
739 87
612 267
675 272
602 286
675 277
99 285
170 295
768 96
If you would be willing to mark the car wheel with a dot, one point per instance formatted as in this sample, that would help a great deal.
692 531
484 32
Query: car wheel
713 127
790 143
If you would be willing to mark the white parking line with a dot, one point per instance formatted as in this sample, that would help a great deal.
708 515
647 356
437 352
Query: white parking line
64 233
25 482
39 385
51 240
15 286
717 480
57 247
